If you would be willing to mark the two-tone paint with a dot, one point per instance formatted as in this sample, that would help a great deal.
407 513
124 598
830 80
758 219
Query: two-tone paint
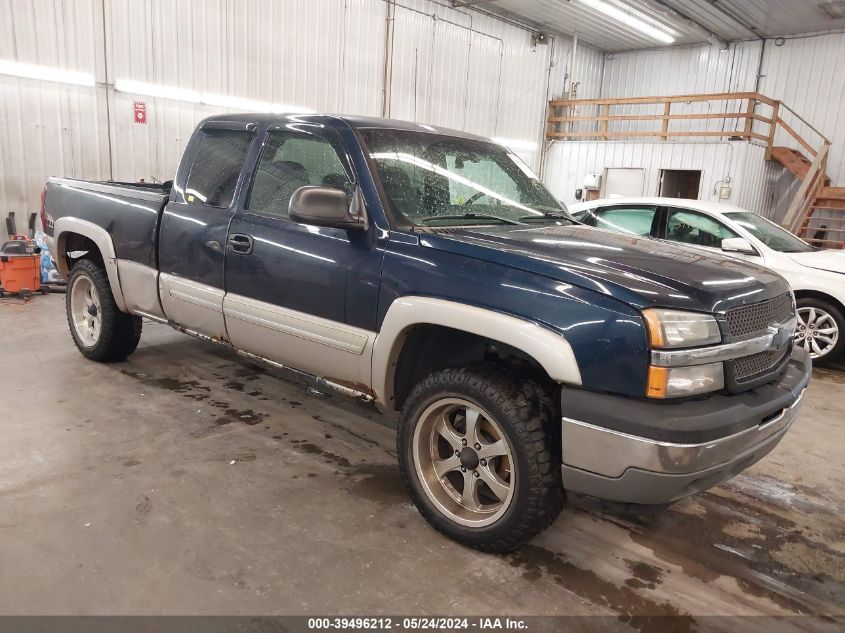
585 286
339 305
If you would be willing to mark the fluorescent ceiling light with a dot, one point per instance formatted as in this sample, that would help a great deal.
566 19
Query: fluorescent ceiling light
628 19
207 98
511 143
156 90
46 73
224 101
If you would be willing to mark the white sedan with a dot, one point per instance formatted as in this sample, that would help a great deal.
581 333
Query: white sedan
817 276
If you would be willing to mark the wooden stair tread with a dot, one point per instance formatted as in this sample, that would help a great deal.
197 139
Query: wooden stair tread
810 226
783 150
794 161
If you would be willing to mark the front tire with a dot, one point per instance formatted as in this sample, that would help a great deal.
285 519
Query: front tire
821 330
476 451
100 330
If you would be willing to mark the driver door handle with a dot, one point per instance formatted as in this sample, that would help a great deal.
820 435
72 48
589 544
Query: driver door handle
241 243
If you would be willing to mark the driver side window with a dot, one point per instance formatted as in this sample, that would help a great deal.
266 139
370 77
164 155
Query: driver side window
290 160
692 227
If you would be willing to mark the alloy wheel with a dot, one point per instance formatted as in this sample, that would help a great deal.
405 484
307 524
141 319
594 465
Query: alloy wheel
817 331
85 311
464 462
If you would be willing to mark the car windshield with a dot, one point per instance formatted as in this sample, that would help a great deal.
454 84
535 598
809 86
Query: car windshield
769 233
438 180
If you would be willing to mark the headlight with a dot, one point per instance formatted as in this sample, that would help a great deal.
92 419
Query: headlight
680 329
674 382
675 328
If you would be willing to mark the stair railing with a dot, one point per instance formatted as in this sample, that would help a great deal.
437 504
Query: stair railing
721 115
778 119
731 115
803 199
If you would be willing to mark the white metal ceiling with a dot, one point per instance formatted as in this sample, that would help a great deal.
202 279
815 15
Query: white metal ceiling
688 21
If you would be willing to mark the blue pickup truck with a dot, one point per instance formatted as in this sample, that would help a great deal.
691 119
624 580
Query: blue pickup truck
430 272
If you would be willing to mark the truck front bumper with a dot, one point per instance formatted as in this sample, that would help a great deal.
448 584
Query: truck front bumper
655 452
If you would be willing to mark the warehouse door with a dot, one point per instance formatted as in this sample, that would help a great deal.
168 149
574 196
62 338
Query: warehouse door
680 183
623 182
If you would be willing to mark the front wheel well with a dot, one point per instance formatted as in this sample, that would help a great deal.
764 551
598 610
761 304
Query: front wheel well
820 296
428 348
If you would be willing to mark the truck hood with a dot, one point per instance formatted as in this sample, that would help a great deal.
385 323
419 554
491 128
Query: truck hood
833 261
641 272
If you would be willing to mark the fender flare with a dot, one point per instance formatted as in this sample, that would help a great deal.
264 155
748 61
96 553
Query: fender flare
550 349
97 234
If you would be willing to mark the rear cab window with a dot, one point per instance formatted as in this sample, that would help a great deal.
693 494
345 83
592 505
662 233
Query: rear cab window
216 167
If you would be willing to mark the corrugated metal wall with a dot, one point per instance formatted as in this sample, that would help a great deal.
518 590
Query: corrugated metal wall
587 71
326 55
764 186
460 68
48 128
567 164
682 70
803 72
806 74
679 70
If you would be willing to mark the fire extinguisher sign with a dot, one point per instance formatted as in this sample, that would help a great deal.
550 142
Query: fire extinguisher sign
139 109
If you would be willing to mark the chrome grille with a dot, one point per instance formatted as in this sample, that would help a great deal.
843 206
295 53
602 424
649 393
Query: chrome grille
749 366
757 317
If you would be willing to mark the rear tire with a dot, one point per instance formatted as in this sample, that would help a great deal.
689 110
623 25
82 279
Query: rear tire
446 418
100 330
821 330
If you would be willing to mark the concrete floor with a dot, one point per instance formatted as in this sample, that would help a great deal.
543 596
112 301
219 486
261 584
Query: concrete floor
185 481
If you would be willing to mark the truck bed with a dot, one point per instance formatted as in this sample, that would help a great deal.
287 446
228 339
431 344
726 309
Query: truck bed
130 212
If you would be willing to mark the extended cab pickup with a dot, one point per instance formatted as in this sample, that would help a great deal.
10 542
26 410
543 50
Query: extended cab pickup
431 272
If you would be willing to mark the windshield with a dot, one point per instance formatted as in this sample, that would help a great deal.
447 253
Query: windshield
769 233
437 180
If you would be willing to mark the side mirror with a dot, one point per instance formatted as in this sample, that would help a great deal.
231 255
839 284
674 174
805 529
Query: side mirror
325 206
738 245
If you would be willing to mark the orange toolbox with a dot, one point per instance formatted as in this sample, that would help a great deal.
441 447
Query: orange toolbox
20 264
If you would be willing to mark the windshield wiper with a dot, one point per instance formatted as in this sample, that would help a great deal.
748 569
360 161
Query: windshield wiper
470 216
550 215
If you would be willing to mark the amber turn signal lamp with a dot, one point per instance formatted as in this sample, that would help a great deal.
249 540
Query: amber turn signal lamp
658 379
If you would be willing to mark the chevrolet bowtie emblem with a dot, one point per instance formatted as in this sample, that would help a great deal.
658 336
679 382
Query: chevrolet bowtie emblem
780 335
